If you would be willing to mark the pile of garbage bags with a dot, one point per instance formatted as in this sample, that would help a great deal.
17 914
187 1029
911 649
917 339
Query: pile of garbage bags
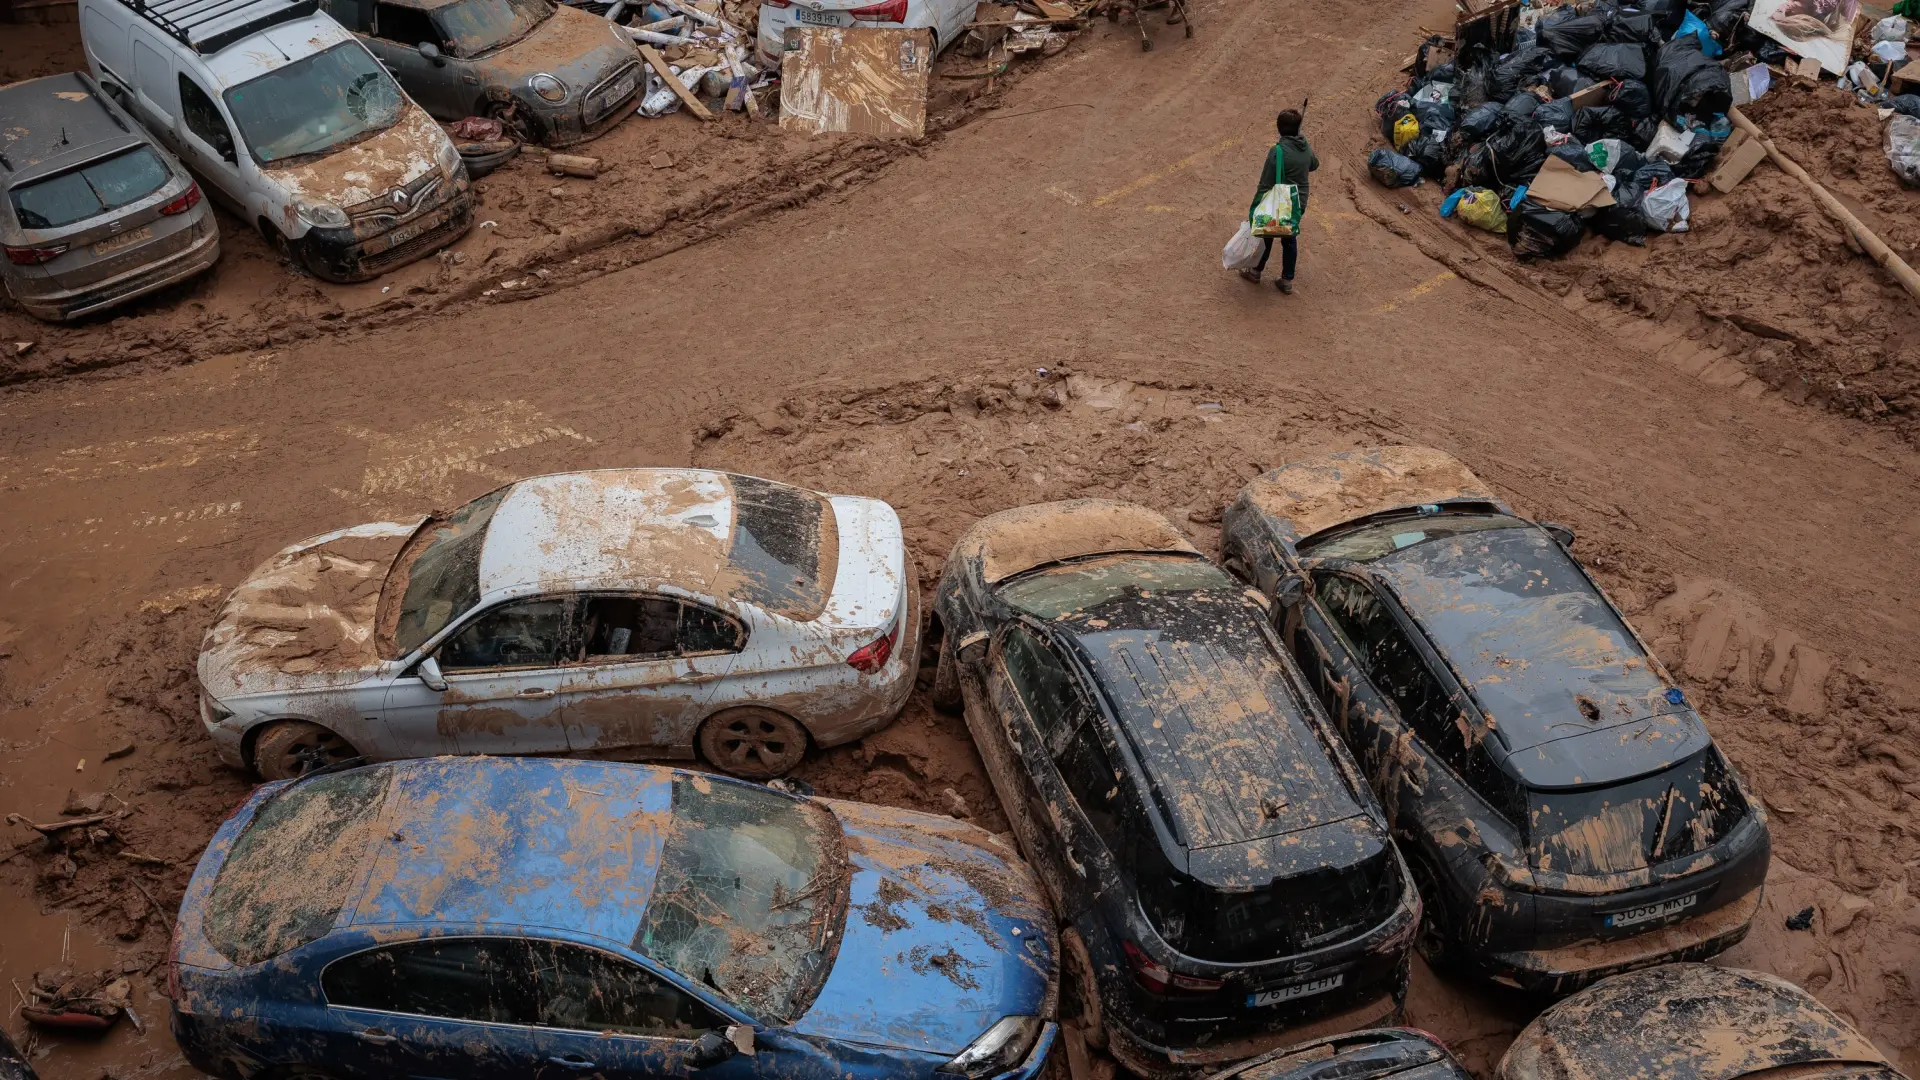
1628 90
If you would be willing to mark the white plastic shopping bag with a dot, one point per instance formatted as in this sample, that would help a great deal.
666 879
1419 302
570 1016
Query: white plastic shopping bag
1243 251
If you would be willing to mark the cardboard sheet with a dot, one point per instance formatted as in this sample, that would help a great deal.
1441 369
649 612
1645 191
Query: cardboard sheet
1560 186
864 80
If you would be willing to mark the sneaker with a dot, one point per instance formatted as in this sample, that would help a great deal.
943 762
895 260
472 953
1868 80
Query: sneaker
1285 285
1251 275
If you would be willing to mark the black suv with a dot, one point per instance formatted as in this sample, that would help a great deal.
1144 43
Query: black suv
1222 872
1564 810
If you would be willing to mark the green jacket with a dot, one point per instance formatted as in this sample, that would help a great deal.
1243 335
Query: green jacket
1299 160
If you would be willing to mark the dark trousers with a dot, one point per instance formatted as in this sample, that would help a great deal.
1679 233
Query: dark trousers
1289 254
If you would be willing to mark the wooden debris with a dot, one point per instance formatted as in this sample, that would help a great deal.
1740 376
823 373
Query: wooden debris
586 168
659 65
52 827
1737 159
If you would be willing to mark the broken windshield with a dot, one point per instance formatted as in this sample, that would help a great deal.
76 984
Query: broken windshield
1058 590
437 577
479 26
751 895
786 547
315 104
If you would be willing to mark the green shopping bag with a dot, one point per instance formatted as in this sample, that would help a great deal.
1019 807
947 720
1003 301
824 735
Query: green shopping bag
1278 211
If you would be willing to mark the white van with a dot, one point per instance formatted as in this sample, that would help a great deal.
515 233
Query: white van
292 124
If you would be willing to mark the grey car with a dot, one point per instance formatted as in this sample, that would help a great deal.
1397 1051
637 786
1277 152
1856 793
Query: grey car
95 212
556 74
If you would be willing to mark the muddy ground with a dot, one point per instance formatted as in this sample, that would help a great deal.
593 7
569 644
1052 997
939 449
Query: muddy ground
887 340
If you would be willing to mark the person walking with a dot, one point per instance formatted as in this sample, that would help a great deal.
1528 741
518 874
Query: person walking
1297 159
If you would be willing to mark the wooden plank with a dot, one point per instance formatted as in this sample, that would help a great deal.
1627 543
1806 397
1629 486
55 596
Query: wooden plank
659 64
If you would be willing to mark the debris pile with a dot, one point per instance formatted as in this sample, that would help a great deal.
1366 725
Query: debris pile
88 1002
696 53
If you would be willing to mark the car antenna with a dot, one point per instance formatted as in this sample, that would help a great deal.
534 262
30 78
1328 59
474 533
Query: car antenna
63 135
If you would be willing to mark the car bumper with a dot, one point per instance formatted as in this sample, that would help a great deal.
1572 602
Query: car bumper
72 304
341 255
1569 968
1145 1059
228 741
891 687
588 115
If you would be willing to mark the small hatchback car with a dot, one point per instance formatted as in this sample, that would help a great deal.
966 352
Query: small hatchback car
1565 810
1376 1054
1693 1022
645 612
502 918
1223 871
94 212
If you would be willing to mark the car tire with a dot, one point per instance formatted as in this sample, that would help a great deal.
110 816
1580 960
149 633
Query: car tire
945 693
285 749
1433 942
753 743
1080 989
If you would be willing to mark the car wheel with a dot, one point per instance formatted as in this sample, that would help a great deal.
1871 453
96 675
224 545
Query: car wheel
290 748
1434 944
1079 992
946 680
753 743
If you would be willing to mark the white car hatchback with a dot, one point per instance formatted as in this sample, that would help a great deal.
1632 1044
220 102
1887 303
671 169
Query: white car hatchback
627 613
947 19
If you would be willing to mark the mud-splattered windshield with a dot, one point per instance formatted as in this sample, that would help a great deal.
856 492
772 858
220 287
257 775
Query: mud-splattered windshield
1624 827
315 104
1290 915
1379 538
287 875
786 547
1059 590
751 895
438 576
474 27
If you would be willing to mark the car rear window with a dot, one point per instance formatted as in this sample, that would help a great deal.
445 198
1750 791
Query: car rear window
288 874
1622 827
1377 538
1060 590
90 190
437 578
786 547
1295 914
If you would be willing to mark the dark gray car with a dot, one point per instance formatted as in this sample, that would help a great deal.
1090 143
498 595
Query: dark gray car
94 212
557 74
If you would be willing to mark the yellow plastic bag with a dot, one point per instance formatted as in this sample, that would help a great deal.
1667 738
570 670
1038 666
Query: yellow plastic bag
1481 207
1405 130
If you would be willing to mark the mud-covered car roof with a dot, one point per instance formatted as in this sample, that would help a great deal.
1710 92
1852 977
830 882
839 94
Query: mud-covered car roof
54 123
1014 541
1571 696
1684 1022
1315 494
1244 783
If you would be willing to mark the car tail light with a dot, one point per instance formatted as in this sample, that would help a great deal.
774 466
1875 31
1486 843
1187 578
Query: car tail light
777 3
1158 980
187 200
888 11
874 655
34 256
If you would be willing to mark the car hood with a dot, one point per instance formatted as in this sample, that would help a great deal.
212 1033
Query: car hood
367 169
573 46
305 618
945 934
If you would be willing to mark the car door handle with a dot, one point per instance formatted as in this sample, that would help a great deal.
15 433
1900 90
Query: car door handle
376 1037
572 1061
536 692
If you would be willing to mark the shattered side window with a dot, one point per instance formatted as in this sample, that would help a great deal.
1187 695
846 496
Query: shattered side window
440 573
289 872
786 547
751 895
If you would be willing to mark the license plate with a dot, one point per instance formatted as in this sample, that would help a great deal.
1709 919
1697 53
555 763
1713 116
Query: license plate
115 243
817 18
1646 913
407 232
1298 990
619 91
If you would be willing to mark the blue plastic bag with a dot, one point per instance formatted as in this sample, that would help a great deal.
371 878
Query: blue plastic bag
1692 25
1452 202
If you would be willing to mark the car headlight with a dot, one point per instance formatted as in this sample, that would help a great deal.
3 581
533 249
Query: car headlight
548 87
320 214
449 159
1004 1046
216 713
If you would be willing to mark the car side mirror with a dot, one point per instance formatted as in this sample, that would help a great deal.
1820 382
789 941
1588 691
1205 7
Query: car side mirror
1290 590
432 52
710 1049
972 648
225 149
1560 533
429 672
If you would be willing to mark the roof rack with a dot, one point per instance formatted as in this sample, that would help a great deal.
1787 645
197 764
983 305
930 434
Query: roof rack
207 26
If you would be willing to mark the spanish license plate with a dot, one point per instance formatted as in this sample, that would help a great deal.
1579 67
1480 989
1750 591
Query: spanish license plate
1647 913
817 18
415 228
1298 990
615 94
114 243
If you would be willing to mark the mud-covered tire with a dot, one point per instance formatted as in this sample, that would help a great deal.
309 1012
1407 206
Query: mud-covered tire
1432 941
753 743
945 693
1080 989
285 749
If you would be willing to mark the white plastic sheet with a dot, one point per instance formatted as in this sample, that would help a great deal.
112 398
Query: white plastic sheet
1243 251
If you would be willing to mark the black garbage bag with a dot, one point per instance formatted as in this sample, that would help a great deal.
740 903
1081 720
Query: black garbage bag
1479 122
1615 60
1473 70
1515 151
1601 122
1686 83
1390 107
1637 29
1521 105
1645 130
1667 15
1633 98
1556 114
1630 162
1517 71
1630 188
1724 17
1575 155
1699 158
1569 38
1568 80
1443 74
1389 169
1904 104
1429 152
1535 232
1435 116
1623 223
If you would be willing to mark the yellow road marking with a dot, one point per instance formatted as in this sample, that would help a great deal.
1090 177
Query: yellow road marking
1419 290
1070 198
1156 208
1152 178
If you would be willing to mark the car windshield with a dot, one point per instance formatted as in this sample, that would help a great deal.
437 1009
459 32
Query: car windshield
90 190
786 547
1059 590
1623 827
1291 915
751 895
315 104
437 578
477 26
1377 538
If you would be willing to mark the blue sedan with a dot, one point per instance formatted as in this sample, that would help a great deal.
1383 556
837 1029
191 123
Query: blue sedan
480 918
